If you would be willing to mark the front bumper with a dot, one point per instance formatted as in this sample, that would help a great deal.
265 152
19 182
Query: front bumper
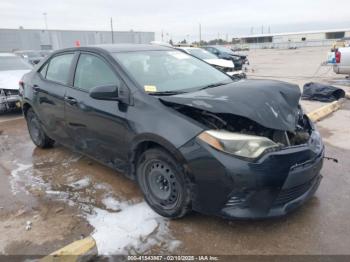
10 102
341 69
272 186
237 74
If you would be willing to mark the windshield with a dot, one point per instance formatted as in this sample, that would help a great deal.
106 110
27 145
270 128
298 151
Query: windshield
202 54
13 63
169 71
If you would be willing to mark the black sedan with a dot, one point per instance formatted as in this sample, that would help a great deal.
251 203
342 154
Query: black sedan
193 138
226 53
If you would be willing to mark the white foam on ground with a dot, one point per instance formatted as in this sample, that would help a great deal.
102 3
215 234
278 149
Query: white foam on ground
133 230
125 227
113 204
80 184
22 178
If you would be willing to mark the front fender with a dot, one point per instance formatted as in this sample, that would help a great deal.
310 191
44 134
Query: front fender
146 140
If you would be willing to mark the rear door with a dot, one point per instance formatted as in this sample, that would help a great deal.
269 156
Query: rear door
49 88
97 127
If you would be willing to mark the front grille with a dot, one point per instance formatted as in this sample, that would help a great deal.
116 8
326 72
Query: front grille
292 193
11 92
237 199
228 69
234 201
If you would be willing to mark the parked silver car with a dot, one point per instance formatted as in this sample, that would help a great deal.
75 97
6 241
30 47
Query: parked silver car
12 68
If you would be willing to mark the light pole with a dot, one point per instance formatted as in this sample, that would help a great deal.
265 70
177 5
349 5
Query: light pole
48 37
112 31
45 20
200 34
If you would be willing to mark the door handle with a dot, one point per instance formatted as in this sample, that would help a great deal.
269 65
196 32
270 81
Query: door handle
70 100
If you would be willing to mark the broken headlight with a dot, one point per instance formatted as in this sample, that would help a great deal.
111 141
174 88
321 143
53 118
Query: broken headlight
237 144
2 95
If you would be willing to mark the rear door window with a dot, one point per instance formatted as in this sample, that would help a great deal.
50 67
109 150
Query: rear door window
92 71
59 68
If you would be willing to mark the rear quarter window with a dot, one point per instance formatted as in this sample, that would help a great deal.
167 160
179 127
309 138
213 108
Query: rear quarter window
43 70
59 68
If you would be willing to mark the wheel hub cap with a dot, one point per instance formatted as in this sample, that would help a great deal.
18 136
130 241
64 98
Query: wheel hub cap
162 183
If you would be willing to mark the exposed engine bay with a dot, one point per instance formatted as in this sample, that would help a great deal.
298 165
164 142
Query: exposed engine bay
239 124
9 99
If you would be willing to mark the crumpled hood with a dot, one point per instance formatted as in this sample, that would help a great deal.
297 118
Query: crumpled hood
9 79
220 62
272 104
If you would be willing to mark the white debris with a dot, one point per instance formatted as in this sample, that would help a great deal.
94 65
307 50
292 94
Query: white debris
58 195
136 227
173 245
28 225
80 184
102 186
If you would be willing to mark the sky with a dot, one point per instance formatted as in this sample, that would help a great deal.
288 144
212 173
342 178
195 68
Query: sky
179 19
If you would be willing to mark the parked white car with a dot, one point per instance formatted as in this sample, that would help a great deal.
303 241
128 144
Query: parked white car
12 68
226 66
342 61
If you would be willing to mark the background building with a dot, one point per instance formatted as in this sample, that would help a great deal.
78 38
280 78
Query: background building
288 40
36 39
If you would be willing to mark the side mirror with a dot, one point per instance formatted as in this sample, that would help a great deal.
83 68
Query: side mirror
105 93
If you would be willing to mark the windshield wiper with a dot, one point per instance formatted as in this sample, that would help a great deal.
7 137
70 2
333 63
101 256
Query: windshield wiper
214 85
166 93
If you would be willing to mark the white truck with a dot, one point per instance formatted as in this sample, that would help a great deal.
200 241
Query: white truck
342 61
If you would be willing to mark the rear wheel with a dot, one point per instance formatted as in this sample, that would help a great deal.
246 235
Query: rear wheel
163 183
36 132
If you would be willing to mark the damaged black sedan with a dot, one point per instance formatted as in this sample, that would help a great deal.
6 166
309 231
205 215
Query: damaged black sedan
191 137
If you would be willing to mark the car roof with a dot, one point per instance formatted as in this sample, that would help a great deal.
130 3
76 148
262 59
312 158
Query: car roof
118 48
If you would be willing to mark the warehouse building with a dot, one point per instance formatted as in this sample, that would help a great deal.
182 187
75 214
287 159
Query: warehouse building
37 39
289 40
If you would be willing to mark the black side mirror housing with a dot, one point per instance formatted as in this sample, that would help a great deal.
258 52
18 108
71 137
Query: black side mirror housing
112 93
105 93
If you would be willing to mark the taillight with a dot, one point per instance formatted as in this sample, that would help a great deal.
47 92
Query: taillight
337 57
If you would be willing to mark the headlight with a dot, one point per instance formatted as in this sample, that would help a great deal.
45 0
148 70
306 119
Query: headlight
219 67
237 144
2 93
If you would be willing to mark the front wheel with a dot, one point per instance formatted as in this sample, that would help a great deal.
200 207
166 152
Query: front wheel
163 183
36 132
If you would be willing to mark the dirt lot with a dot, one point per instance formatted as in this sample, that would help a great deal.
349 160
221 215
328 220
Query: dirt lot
49 198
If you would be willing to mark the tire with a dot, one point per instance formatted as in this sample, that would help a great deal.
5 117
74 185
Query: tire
36 132
163 183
